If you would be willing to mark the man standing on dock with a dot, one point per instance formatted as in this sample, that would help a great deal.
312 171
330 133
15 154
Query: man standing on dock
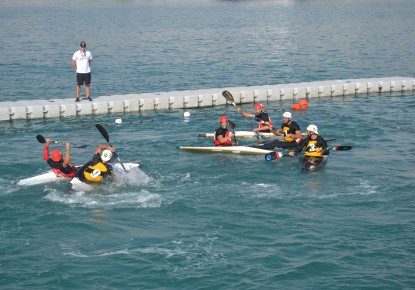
81 61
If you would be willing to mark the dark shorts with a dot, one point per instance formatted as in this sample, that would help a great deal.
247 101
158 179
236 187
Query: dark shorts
83 78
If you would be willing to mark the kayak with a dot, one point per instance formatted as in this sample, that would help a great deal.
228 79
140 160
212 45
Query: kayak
40 179
274 144
79 185
50 176
245 134
227 149
238 134
311 164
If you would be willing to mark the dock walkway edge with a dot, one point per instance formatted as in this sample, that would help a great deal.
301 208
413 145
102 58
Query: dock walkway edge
116 104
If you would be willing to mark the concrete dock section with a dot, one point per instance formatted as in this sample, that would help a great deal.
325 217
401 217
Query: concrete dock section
60 108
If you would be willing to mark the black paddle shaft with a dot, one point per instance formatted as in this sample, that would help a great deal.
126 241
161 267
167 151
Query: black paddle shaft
233 126
42 140
106 136
228 96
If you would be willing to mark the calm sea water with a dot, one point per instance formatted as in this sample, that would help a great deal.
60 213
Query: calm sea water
210 221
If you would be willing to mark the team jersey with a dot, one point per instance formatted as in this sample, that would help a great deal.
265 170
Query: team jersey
57 167
289 129
263 117
224 133
95 170
309 146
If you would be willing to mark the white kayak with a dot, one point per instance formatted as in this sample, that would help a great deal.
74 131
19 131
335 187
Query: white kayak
227 149
79 185
40 179
246 134
50 176
239 134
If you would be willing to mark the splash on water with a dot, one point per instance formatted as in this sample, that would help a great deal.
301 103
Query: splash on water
126 191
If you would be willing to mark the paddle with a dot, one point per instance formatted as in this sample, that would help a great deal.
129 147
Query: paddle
106 136
276 154
228 96
273 131
232 124
42 139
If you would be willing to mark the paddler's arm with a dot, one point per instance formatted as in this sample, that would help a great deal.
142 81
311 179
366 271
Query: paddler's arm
111 174
74 64
226 138
276 132
67 158
246 114
46 151
299 148
103 147
265 127
297 135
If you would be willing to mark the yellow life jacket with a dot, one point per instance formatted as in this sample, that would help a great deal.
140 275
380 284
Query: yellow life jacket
311 149
95 172
287 138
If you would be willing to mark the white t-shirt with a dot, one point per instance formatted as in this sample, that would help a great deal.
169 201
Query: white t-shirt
82 61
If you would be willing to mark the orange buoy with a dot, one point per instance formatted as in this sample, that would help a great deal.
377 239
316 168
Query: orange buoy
296 107
303 104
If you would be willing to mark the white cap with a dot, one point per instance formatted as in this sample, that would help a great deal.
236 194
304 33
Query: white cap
313 128
106 155
287 115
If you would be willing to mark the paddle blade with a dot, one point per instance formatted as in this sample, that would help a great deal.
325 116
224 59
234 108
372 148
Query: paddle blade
232 124
273 156
342 148
40 139
103 132
228 96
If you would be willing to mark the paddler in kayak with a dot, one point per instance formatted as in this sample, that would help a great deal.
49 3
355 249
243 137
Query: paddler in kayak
264 121
289 129
97 169
312 146
60 166
222 135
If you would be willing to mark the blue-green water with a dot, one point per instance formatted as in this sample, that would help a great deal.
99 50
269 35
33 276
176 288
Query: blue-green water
212 221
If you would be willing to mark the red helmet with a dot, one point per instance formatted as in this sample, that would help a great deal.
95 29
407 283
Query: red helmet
223 119
258 106
56 155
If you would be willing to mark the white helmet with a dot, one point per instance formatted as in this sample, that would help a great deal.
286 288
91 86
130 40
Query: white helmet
106 155
313 128
287 115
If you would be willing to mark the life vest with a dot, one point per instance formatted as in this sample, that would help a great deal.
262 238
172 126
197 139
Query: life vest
287 138
263 125
58 172
227 143
263 117
311 149
95 172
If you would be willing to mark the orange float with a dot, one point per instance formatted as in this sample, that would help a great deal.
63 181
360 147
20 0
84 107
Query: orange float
296 107
302 105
